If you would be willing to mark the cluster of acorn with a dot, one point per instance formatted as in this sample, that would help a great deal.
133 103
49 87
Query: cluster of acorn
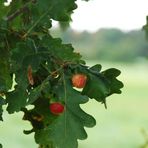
78 81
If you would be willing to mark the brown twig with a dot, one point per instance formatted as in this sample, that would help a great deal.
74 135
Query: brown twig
19 11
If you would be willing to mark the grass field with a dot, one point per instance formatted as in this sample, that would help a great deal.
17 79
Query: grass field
117 127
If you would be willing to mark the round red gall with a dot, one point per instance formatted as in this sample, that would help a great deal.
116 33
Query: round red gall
56 108
79 80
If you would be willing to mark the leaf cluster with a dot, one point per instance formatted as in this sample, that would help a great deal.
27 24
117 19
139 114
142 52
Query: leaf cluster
36 69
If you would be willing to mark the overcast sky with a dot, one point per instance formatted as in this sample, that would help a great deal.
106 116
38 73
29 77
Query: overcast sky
122 14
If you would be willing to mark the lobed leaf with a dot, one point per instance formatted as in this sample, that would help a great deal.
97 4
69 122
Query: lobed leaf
145 27
101 84
33 14
5 77
63 52
16 100
2 102
25 42
115 85
97 88
69 125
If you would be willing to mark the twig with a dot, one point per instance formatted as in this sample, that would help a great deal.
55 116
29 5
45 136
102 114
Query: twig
30 29
18 12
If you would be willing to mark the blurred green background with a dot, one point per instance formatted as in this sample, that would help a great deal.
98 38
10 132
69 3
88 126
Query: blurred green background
121 125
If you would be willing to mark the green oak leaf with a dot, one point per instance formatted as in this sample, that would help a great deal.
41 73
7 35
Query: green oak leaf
57 10
34 94
20 97
5 78
37 13
64 52
39 91
16 100
96 87
69 125
4 10
96 68
1 146
102 84
22 50
2 102
38 23
26 54
13 7
145 27
114 84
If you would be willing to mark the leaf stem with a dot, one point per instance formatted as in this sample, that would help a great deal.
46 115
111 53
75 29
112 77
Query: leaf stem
18 12
35 47
37 21
7 43
65 99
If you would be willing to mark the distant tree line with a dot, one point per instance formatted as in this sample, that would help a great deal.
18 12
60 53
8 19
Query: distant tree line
107 44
